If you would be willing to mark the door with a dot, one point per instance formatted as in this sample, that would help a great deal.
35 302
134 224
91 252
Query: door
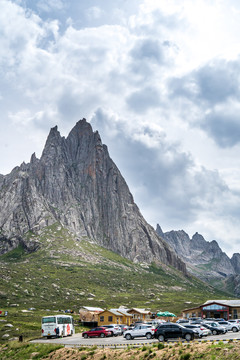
92 332
98 331
137 331
175 331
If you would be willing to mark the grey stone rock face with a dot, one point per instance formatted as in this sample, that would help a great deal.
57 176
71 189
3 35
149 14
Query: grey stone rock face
235 261
203 259
76 183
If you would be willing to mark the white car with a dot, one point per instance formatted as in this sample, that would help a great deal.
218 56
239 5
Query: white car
200 330
230 326
234 321
114 329
182 321
142 330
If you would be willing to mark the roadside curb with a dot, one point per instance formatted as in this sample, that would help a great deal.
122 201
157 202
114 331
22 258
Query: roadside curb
139 344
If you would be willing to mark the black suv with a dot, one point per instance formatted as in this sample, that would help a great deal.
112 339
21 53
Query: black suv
173 331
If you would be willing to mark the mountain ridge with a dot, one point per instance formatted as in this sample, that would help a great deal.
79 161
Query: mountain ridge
76 183
204 259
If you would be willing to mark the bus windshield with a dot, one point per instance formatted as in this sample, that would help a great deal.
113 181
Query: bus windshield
50 319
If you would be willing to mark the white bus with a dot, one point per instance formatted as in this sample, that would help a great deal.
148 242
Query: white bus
57 325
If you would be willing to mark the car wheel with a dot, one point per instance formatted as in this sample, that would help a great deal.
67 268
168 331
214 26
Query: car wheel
161 338
102 335
214 332
188 337
148 336
234 329
85 336
111 333
128 337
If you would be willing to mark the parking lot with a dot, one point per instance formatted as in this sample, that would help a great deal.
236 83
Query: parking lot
120 341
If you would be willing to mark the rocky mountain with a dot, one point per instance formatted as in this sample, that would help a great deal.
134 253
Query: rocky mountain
205 259
76 184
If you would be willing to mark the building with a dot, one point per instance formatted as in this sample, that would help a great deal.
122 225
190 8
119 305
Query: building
224 309
127 318
140 314
89 315
111 316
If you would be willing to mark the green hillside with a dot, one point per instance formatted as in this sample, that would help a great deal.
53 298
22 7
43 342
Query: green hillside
66 274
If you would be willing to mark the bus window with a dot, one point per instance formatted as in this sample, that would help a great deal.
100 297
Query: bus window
47 320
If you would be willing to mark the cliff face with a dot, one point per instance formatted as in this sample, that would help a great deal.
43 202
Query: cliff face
76 183
205 259
235 261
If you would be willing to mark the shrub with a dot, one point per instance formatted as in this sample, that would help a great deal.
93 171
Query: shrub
185 356
160 346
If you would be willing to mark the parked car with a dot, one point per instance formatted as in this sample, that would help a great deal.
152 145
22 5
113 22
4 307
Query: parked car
96 332
198 329
142 330
215 328
230 326
182 321
155 322
123 328
173 331
199 321
114 329
235 321
195 318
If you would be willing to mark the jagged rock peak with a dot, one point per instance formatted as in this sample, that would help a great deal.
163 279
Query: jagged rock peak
76 184
198 240
33 159
159 230
235 260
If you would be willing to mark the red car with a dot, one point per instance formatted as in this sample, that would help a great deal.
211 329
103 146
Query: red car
96 332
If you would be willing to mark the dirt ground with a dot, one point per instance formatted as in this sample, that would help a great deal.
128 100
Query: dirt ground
178 351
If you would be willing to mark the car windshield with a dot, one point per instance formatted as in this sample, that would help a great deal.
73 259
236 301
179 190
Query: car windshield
180 325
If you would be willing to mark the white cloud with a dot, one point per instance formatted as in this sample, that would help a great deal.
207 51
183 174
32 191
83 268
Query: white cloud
94 12
49 5
151 78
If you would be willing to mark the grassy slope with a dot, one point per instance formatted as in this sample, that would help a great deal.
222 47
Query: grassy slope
64 273
158 351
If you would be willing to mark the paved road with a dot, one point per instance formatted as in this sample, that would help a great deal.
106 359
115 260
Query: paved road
78 340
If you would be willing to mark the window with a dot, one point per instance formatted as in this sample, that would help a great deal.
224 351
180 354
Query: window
101 318
110 318
49 320
235 313
63 320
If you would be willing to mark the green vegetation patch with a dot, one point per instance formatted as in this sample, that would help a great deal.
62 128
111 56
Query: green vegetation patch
17 351
68 273
15 254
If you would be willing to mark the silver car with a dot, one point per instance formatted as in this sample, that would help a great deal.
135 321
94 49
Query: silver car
200 330
142 330
230 326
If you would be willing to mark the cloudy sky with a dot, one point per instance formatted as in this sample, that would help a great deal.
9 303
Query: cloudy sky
159 79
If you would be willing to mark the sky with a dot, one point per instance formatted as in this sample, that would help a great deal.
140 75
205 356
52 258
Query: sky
159 80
